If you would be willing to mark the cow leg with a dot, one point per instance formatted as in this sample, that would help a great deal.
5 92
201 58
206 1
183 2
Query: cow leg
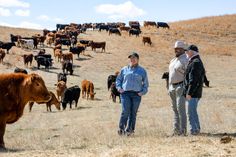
2 132
71 105
31 105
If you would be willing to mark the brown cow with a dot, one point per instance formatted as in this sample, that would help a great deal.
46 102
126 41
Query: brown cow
28 58
2 55
123 28
49 103
17 89
61 87
67 56
147 40
95 45
58 54
149 23
87 89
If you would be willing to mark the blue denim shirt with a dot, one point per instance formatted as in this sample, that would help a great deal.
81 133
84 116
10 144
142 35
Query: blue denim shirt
133 79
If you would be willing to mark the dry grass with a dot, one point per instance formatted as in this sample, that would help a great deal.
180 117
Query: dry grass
91 129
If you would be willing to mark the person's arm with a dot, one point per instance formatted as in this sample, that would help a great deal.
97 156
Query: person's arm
145 84
119 81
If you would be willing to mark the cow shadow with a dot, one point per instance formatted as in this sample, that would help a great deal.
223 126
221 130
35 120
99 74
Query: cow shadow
10 150
97 99
82 59
81 108
218 134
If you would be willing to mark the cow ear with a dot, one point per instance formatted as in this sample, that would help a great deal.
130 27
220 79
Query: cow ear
34 77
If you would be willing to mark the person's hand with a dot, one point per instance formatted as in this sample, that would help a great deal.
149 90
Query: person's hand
140 94
188 97
121 90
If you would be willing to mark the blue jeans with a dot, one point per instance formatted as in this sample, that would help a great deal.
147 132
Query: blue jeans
193 116
130 103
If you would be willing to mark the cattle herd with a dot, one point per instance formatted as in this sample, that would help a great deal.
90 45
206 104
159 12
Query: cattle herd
23 88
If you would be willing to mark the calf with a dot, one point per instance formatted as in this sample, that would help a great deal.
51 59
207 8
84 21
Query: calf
87 89
147 40
44 60
60 89
62 77
49 103
67 56
2 55
68 66
58 54
114 92
71 94
28 58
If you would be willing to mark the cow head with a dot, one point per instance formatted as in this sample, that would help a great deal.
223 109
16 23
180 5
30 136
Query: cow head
35 89
92 96
55 101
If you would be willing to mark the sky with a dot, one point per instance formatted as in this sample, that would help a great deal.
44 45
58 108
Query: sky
40 14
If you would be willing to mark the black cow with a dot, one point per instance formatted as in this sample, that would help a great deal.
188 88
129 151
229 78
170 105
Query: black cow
45 60
166 77
114 92
71 94
103 27
110 80
62 77
68 66
134 32
7 45
65 41
77 50
135 26
115 31
162 24
61 26
14 38
20 70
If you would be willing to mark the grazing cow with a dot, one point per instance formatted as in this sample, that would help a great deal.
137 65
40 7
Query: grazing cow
115 31
85 42
103 27
149 23
123 28
62 77
87 89
163 25
147 40
61 87
17 90
20 70
68 66
134 32
95 45
45 60
77 50
71 94
28 58
2 55
166 77
49 103
7 46
114 92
